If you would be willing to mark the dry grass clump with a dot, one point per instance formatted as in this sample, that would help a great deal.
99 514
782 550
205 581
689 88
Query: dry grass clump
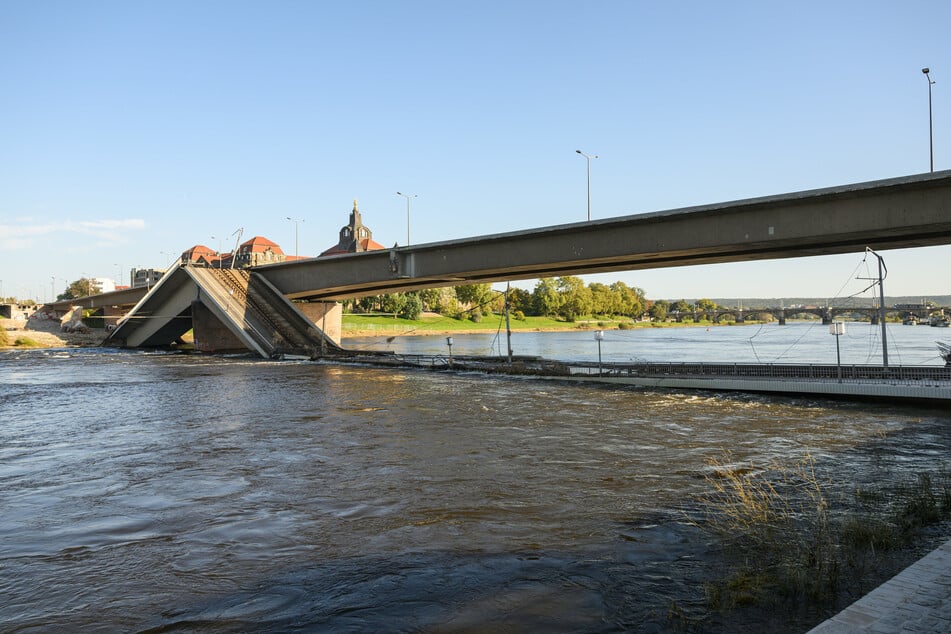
776 520
777 525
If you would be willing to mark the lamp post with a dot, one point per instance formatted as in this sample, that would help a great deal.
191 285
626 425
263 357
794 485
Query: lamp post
587 159
599 337
407 197
926 71
296 221
219 250
837 328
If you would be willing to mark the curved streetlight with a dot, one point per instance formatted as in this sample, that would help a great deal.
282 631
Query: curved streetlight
407 197
588 161
296 222
926 71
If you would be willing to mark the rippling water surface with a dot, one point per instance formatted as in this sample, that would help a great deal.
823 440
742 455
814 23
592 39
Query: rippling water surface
165 492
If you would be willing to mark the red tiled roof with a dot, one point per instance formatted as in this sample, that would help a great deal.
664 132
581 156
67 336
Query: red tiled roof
259 244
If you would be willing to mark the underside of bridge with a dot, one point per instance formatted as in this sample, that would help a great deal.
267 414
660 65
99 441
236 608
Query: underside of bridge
231 308
227 311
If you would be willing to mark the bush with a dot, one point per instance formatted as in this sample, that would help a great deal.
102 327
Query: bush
518 315
4 338
475 315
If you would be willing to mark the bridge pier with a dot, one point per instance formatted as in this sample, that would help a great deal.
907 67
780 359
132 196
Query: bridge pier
328 316
210 335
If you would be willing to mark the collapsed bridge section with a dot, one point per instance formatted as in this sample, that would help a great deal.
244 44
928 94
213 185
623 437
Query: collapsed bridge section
227 310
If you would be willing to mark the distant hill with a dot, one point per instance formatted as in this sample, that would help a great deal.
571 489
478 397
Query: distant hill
759 302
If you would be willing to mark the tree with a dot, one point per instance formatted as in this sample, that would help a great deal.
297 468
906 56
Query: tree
82 287
706 304
545 298
682 306
630 299
393 303
658 311
604 301
576 298
474 295
413 307
520 300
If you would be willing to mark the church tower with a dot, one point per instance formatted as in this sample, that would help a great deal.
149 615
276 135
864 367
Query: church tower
354 237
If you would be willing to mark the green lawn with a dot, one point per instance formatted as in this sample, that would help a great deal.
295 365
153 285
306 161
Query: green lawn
489 323
367 324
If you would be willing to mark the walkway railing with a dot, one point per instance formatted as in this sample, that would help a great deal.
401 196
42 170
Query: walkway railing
784 372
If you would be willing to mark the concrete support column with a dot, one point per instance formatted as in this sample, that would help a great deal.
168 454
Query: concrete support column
210 334
327 316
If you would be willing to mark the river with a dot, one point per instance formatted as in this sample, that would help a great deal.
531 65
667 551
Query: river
163 492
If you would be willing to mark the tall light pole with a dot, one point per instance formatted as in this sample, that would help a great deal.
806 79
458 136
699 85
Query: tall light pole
219 250
926 71
407 197
296 222
587 159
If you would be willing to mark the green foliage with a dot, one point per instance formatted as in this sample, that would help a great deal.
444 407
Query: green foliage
520 301
393 303
681 306
474 294
83 287
4 337
659 310
413 307
545 298
26 342
576 298
630 300
519 315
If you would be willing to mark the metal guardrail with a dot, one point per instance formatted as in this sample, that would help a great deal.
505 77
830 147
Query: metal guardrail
784 372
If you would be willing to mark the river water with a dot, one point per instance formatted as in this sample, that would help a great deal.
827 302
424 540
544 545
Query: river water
162 492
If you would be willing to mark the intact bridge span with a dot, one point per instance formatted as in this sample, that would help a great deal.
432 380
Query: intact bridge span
911 211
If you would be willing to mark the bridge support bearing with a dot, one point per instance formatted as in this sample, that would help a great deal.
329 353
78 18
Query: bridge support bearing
327 316
210 334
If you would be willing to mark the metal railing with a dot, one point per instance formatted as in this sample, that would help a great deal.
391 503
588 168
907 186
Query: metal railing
784 372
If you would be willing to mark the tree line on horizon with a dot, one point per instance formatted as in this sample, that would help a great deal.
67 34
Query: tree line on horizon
567 298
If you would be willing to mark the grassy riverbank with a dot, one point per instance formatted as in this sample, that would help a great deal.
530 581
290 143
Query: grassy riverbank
434 324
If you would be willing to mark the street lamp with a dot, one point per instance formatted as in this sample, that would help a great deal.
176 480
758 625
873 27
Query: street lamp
588 161
926 71
407 197
296 222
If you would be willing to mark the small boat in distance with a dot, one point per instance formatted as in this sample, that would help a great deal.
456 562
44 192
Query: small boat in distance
945 350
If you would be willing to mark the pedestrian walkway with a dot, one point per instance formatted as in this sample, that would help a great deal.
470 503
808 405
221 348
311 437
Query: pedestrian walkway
917 599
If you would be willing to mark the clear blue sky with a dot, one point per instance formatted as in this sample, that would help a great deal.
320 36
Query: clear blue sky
130 131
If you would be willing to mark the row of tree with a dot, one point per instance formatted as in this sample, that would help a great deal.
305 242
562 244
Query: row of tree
567 298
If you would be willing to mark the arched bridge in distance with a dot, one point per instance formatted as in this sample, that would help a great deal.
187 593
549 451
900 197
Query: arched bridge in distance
912 211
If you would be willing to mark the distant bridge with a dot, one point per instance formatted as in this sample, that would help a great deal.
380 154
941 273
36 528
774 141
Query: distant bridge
826 313
896 213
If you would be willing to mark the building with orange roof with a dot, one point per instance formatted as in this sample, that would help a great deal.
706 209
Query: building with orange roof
354 237
201 255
